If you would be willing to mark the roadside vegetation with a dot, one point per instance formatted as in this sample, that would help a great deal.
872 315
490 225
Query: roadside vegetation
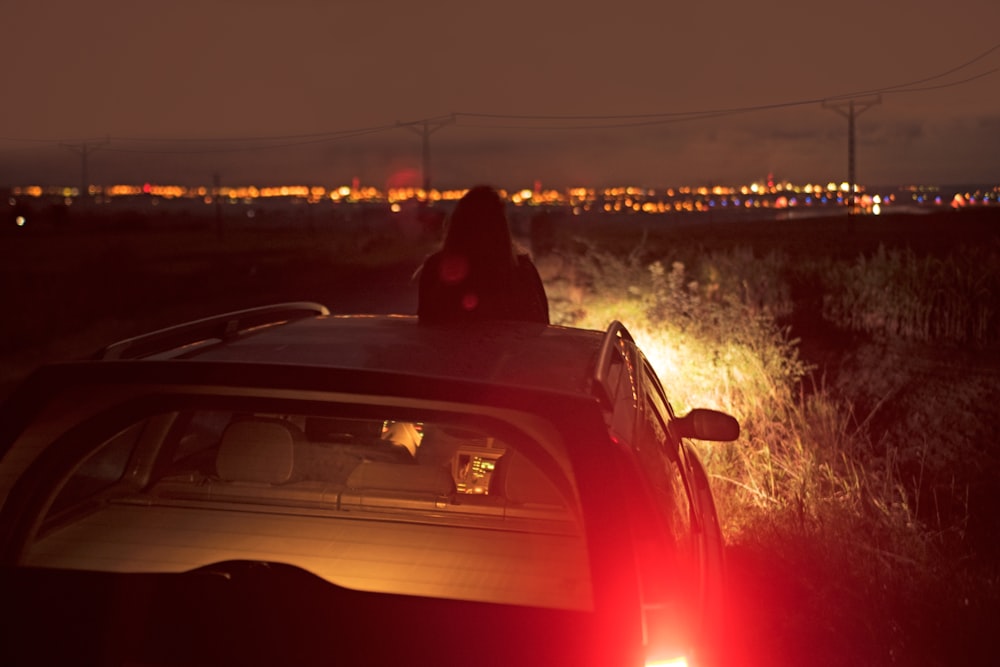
858 502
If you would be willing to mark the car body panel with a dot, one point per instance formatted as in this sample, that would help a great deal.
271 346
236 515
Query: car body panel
511 353
562 494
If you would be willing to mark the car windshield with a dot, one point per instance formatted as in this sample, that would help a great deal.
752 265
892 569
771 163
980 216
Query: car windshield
396 501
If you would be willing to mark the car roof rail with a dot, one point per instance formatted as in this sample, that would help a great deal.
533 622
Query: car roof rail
217 327
615 333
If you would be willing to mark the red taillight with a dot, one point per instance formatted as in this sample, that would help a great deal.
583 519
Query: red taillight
679 661
666 635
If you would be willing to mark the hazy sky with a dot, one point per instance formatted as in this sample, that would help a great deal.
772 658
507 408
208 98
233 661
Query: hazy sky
645 92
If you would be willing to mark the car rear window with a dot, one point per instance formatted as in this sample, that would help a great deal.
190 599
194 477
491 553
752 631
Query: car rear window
418 502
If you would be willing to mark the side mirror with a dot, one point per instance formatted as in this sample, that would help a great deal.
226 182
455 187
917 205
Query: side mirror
705 424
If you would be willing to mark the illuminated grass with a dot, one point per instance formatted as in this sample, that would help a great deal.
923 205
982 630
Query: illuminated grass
811 501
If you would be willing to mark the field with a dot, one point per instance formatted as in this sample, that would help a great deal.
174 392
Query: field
862 359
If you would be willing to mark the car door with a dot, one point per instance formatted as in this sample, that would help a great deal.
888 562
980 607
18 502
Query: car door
692 514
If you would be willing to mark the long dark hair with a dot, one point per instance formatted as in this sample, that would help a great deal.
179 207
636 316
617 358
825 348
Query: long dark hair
478 230
480 273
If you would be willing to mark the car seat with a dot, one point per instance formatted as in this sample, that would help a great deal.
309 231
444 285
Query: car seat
258 450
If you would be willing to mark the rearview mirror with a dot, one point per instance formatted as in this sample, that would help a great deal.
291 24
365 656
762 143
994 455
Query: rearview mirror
705 424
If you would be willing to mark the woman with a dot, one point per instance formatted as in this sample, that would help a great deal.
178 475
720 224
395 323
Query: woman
479 274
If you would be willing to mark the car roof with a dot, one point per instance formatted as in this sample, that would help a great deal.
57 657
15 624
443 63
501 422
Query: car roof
524 354
510 353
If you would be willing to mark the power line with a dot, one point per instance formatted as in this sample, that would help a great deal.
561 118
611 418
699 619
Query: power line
636 120
85 149
323 138
624 120
939 86
313 137
425 128
906 87
529 121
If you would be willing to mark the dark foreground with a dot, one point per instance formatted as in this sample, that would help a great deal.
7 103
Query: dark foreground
67 291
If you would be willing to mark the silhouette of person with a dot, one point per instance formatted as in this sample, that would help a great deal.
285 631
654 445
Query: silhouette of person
479 273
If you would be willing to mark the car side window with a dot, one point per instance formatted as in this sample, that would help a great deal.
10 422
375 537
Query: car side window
664 466
101 470
664 470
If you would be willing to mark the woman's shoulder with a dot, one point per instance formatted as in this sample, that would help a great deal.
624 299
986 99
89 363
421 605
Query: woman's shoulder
525 264
427 265
432 258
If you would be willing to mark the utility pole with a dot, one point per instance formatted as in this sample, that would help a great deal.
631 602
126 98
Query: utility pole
851 110
85 149
220 229
425 128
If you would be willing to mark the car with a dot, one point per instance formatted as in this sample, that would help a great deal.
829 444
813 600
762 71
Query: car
281 485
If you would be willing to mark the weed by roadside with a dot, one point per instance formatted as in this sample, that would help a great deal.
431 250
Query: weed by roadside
835 558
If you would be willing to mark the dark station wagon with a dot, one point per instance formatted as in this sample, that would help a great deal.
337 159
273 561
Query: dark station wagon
282 486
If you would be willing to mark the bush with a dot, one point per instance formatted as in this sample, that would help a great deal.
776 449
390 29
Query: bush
812 500
895 293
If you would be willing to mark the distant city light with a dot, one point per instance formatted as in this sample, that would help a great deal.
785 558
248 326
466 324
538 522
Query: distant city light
771 198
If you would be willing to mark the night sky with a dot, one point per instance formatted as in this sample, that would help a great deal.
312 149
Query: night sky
635 92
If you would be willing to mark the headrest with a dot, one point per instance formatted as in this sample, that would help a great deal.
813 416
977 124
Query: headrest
257 450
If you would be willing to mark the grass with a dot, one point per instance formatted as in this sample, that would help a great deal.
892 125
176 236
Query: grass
897 293
853 506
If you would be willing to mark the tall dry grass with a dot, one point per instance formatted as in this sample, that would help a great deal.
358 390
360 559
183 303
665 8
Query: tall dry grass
835 561
897 293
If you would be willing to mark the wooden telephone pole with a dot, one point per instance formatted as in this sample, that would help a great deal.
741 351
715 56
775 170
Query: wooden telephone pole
851 109
425 128
85 149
